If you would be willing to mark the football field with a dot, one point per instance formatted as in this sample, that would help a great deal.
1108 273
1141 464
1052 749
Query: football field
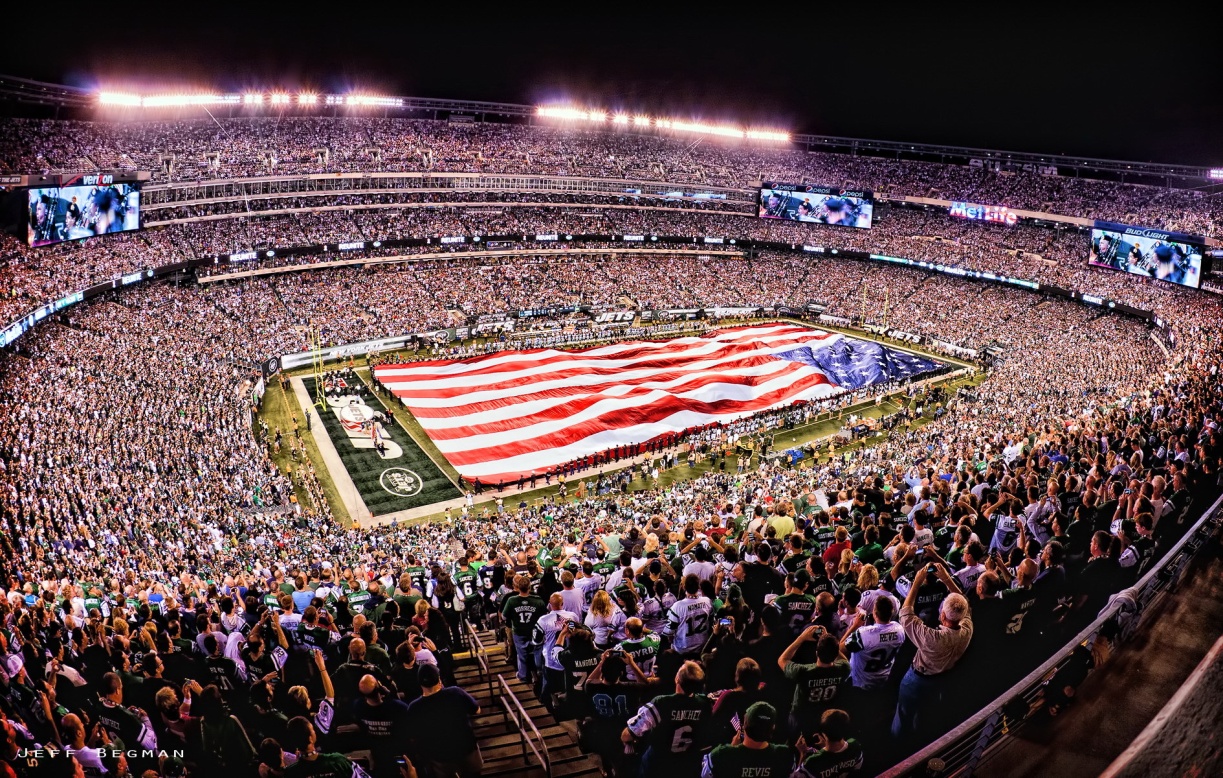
398 478
522 413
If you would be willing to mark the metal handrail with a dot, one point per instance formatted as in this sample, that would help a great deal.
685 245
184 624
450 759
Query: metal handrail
963 747
512 709
480 653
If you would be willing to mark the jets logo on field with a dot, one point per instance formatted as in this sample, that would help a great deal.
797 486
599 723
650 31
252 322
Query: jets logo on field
401 482
363 425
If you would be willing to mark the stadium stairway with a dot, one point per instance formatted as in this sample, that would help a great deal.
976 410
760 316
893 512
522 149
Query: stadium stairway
518 736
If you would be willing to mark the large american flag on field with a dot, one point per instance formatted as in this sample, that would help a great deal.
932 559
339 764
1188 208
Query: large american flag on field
518 412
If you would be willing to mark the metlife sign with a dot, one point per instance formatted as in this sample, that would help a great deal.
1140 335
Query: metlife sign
998 214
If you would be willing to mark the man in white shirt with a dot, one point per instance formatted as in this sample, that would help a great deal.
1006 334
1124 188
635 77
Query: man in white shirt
587 583
700 566
690 620
974 558
547 629
573 599
872 648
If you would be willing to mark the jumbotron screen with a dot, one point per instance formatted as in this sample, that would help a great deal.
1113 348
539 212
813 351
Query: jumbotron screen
1151 253
73 212
817 204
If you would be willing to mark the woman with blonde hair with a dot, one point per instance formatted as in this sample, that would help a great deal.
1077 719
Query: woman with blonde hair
651 544
845 572
868 578
605 620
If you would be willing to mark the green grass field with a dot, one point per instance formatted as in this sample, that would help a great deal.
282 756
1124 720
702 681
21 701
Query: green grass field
279 409
387 485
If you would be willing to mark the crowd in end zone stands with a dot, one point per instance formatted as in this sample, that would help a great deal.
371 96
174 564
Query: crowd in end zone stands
166 586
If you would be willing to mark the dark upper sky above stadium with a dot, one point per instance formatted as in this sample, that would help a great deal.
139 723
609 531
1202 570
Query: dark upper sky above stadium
980 74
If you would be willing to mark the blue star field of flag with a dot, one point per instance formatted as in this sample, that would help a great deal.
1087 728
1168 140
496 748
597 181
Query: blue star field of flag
853 364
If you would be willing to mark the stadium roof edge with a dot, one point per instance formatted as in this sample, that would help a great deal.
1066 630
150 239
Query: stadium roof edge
43 93
40 92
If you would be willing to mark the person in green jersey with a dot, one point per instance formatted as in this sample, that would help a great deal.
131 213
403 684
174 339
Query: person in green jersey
520 612
835 755
467 582
750 753
641 645
871 552
818 686
604 566
673 727
301 738
796 606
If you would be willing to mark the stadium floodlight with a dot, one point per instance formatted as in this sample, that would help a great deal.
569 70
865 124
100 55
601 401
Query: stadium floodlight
307 98
252 98
774 135
1216 174
571 113
279 98
374 101
706 129
182 100
118 98
561 112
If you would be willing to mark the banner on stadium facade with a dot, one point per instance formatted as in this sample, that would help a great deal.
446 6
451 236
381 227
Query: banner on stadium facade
840 321
489 327
614 317
679 313
720 312
291 361
552 310
908 337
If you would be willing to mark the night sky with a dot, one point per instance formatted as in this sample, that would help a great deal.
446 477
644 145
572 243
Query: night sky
1014 79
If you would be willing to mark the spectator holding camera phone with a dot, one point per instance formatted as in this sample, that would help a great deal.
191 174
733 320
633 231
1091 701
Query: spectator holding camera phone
938 651
818 686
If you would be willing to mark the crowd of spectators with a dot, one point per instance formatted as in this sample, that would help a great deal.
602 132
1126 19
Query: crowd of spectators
166 587
31 277
146 524
231 148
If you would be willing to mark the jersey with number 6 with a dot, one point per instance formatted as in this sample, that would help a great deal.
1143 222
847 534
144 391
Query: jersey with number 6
689 623
674 727
873 650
